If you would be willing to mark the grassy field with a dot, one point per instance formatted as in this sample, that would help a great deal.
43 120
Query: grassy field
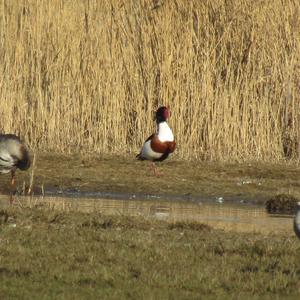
86 76
48 254
255 182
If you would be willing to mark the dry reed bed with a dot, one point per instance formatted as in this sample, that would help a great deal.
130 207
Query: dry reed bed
87 75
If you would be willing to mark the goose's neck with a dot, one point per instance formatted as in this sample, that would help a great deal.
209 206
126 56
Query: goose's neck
164 132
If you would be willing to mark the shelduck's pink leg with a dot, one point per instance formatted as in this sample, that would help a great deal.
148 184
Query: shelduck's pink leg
155 169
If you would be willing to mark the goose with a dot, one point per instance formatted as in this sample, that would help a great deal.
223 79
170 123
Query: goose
297 221
158 146
14 155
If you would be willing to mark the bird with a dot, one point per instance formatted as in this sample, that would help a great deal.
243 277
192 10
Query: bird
14 154
158 146
297 221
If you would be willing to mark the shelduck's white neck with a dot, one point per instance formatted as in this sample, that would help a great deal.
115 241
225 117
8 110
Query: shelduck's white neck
164 132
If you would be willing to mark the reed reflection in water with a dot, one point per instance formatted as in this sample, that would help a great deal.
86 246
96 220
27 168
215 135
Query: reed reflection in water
236 217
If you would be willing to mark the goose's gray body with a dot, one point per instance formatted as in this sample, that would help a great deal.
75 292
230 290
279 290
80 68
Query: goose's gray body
14 154
297 221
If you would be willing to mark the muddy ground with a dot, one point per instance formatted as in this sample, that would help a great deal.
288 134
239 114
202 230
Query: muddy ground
256 182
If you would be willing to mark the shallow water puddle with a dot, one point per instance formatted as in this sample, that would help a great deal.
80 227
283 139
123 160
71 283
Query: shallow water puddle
236 217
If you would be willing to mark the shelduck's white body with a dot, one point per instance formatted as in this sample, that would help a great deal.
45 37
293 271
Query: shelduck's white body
158 146
164 134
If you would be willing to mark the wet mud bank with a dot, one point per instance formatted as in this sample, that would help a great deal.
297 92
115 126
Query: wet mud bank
123 177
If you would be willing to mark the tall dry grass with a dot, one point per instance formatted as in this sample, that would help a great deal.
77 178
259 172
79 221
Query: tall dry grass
86 75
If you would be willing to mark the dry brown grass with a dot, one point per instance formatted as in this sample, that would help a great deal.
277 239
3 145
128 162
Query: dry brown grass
87 75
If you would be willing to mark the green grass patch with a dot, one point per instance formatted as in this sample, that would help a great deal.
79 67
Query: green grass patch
47 254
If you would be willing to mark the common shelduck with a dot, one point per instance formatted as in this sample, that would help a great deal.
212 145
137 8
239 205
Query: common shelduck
158 146
14 155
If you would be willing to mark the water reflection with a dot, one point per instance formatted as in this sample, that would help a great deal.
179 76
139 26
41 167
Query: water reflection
238 217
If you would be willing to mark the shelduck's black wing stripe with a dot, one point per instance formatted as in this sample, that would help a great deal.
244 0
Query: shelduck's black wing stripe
149 138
